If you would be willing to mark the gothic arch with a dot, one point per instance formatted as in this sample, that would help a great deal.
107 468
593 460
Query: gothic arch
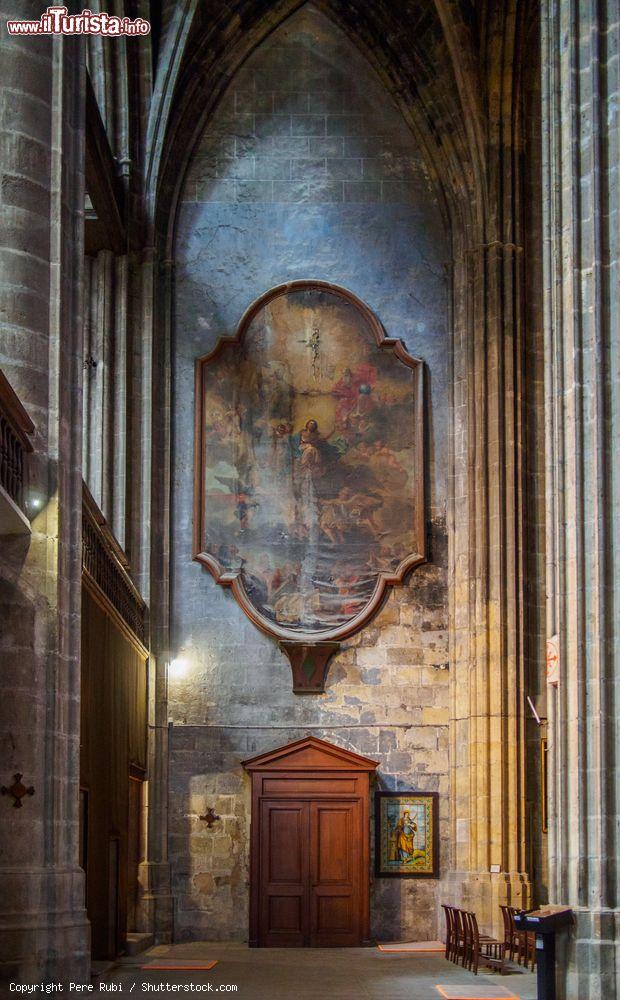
444 111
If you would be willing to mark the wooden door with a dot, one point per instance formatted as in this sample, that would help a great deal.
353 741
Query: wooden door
335 872
310 849
285 873
310 873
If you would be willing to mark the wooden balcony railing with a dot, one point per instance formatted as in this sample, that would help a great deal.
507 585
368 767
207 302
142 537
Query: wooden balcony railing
104 564
16 427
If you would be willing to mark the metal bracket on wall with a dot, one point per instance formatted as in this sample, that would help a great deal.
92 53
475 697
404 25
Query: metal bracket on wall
17 790
210 817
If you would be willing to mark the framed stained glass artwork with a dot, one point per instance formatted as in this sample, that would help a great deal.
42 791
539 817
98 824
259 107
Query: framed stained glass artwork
407 834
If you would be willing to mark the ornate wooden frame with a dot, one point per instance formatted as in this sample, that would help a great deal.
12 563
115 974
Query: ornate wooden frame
233 580
434 797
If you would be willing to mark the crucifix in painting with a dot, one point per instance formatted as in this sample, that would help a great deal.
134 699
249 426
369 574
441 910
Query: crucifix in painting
309 468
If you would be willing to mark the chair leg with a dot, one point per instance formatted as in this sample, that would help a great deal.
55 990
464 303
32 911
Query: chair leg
448 931
533 952
510 944
502 958
475 952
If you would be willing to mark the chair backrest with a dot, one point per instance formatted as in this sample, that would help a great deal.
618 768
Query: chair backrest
472 927
508 921
449 919
460 922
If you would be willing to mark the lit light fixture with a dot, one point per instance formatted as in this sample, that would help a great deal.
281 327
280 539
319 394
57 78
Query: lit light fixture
178 667
36 503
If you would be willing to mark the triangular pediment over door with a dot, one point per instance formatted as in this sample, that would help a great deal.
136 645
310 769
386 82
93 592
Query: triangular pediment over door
310 754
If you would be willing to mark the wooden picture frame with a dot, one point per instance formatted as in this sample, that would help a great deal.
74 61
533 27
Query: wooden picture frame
208 546
407 834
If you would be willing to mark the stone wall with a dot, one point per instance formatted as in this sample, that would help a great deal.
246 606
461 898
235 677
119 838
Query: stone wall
44 932
306 171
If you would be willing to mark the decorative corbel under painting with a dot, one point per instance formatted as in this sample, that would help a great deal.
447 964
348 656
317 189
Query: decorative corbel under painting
309 484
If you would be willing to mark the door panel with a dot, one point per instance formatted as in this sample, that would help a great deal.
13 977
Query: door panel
284 873
286 854
336 837
285 914
333 835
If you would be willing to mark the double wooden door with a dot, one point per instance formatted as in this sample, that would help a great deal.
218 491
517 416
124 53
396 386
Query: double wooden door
311 868
309 860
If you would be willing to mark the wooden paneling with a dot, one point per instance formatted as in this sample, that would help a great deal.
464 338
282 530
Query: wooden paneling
336 849
113 743
309 846
134 850
16 430
284 874
106 571
316 786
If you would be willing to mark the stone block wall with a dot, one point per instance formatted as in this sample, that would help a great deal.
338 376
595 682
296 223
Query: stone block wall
43 927
305 171
386 697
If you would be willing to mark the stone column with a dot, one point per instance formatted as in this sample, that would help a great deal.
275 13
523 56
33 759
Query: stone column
44 933
582 351
487 719
487 529
157 902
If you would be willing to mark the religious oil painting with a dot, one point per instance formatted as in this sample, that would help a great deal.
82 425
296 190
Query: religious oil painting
309 466
407 834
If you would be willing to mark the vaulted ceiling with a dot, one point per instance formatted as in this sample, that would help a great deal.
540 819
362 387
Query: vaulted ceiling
451 66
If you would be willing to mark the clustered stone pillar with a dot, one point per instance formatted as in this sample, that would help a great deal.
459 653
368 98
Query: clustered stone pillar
487 723
487 516
152 539
581 229
44 932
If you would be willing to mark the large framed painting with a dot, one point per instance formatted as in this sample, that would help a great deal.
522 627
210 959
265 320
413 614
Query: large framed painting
407 834
309 486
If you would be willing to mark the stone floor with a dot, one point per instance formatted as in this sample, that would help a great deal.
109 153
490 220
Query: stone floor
310 974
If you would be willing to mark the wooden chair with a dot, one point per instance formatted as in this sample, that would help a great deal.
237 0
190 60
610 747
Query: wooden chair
524 943
449 929
461 937
510 932
482 948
